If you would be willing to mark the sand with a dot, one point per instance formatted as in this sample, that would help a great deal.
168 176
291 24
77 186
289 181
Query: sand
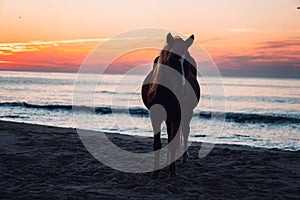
43 162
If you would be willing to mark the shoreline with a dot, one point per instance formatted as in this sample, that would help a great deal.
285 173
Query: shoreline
45 161
197 143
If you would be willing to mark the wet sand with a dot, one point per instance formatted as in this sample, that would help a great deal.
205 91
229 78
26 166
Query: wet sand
43 162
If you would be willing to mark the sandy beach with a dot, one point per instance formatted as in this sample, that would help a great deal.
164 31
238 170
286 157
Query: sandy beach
43 162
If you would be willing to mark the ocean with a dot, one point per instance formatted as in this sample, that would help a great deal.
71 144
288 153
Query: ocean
260 112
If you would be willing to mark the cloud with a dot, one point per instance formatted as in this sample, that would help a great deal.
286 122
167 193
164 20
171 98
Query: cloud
261 66
68 55
274 58
59 55
38 45
280 57
59 46
279 44
52 42
4 61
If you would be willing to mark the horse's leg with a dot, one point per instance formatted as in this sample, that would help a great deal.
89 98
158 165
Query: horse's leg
157 116
186 131
173 142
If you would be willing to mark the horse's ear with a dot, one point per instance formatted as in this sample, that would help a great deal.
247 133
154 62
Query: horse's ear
170 39
189 41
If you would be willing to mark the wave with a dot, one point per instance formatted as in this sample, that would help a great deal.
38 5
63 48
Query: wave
249 117
15 117
229 116
117 92
100 110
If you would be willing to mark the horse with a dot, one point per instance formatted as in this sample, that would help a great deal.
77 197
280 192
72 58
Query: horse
171 92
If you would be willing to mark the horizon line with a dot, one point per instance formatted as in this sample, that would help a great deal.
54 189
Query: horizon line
116 73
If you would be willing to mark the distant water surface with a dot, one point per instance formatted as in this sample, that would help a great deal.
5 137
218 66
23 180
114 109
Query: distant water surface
260 112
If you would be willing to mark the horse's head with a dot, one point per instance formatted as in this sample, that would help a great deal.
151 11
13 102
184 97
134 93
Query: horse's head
178 46
175 56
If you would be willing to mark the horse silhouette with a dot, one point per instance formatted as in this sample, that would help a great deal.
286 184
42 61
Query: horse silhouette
171 92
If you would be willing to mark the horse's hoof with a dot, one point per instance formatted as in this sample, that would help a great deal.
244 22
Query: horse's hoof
154 174
184 160
185 157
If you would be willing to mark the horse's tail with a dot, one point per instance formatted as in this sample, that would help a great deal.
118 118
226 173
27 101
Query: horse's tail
151 92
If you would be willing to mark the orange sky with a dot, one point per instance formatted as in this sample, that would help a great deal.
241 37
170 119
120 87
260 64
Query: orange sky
244 37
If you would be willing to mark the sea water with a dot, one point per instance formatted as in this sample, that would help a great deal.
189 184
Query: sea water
258 112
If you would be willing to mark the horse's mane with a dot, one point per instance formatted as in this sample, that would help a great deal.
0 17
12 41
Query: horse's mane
162 60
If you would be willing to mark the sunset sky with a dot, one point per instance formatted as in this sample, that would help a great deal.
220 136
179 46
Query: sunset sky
244 37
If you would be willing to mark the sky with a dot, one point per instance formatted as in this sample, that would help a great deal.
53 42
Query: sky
243 37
